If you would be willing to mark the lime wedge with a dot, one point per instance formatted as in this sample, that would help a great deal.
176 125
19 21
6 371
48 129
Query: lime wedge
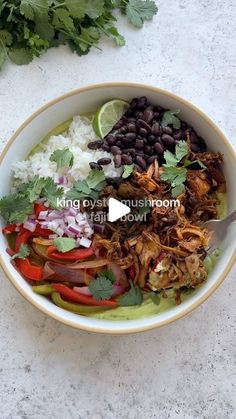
108 115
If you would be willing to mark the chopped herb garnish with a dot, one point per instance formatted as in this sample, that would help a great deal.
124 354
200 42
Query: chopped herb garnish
133 297
101 287
64 244
23 252
170 118
173 174
155 297
89 187
138 11
128 169
63 158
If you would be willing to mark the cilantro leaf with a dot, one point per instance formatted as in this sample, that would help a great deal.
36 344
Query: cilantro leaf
64 244
138 11
20 56
76 8
172 174
133 297
23 252
181 149
128 169
101 288
95 178
64 158
15 208
52 192
32 8
170 118
155 297
109 274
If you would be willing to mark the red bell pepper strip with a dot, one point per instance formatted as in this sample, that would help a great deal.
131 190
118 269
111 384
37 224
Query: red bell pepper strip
22 238
10 251
9 228
29 271
44 232
72 255
38 207
75 297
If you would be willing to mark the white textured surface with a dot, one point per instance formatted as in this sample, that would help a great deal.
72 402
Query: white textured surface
187 369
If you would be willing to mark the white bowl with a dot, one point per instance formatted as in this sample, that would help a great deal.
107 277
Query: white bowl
86 100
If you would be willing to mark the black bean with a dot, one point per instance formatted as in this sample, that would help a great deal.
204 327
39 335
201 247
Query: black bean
143 132
104 161
117 160
123 129
110 139
195 148
178 135
139 143
118 124
124 119
105 146
131 119
138 168
142 124
148 115
133 103
151 159
141 102
95 166
119 136
193 137
115 150
167 130
159 148
148 149
130 151
94 145
130 136
156 115
167 139
139 152
125 159
141 162
131 127
156 129
151 139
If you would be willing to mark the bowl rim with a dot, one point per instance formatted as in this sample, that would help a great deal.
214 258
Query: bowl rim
131 329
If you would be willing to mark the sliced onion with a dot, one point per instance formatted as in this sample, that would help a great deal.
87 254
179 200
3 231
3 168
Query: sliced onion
72 211
82 290
96 263
62 180
74 229
43 215
116 290
60 272
117 271
99 228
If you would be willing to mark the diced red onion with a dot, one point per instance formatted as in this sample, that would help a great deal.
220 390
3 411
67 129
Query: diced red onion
62 180
30 225
60 231
42 215
72 211
69 233
52 236
85 242
32 216
70 219
46 203
74 229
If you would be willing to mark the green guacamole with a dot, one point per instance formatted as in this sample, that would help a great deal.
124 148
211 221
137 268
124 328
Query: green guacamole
147 308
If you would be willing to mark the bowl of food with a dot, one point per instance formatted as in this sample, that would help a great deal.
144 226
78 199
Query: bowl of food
105 191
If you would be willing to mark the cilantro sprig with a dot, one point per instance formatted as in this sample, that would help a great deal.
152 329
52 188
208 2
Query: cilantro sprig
101 287
17 206
173 174
133 297
63 158
170 118
23 252
88 188
29 27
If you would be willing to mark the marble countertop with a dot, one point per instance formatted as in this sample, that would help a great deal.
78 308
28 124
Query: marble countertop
187 369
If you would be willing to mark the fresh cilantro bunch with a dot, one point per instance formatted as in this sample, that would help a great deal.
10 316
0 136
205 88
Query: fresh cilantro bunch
30 27
16 207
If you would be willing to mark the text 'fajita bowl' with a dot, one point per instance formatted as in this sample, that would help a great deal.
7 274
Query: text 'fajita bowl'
104 196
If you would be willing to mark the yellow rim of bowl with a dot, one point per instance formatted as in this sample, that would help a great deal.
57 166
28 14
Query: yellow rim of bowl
131 329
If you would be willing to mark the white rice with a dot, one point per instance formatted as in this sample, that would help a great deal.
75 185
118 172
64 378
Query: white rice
79 134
